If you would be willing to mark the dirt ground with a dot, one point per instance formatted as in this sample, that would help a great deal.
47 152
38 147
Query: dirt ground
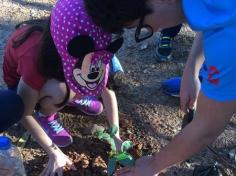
147 116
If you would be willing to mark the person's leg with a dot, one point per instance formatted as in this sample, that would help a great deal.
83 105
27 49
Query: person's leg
11 109
172 31
164 48
52 94
91 105
88 105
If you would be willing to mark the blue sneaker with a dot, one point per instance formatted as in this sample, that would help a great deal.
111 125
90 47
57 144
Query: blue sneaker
116 72
172 86
115 65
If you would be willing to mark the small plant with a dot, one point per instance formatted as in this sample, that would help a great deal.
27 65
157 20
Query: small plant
116 158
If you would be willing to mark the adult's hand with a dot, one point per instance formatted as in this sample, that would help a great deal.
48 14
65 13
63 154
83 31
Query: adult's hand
190 84
189 91
143 166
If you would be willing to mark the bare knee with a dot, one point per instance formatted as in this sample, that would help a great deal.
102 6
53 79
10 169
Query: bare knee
52 94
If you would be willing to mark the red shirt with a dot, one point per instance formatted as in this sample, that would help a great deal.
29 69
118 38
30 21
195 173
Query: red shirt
22 61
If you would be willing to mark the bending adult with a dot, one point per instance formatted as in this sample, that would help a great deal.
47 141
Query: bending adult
213 50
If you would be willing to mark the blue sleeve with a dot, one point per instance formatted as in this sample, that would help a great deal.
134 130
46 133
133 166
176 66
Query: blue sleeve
209 14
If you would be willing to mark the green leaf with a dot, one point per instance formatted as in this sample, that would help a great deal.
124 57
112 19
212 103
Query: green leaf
126 145
125 159
104 136
107 138
98 133
121 156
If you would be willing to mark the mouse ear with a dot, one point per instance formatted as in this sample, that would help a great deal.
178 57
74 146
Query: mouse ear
115 45
81 45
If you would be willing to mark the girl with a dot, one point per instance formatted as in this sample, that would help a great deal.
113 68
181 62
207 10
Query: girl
51 70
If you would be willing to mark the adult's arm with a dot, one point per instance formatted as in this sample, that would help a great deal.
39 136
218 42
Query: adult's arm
190 84
210 120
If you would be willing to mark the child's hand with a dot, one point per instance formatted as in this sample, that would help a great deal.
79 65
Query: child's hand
143 166
57 160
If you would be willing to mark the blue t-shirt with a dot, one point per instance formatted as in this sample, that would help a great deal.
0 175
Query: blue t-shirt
216 19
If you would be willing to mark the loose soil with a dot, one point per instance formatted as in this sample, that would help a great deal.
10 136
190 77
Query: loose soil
147 116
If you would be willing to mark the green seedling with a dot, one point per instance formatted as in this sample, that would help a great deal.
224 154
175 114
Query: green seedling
116 158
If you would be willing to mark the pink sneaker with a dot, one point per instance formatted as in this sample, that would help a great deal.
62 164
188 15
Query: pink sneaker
88 105
51 125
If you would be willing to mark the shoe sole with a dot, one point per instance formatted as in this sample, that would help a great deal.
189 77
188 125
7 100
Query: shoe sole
172 95
63 146
86 113
162 58
91 114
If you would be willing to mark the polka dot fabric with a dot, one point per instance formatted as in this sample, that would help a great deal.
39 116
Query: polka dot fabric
68 20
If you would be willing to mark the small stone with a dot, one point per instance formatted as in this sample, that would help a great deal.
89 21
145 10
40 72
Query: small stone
232 154
129 132
143 46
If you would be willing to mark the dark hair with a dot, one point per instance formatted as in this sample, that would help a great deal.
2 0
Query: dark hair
113 15
49 60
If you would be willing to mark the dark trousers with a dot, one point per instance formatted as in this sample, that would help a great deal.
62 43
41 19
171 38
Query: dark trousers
171 32
11 109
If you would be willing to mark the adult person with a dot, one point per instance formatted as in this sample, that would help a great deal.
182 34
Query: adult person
215 22
11 109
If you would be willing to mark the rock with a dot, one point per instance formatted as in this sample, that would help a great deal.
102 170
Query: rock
143 46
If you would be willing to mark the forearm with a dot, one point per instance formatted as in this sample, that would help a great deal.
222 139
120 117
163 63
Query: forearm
196 57
210 119
111 107
30 97
38 133
187 143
